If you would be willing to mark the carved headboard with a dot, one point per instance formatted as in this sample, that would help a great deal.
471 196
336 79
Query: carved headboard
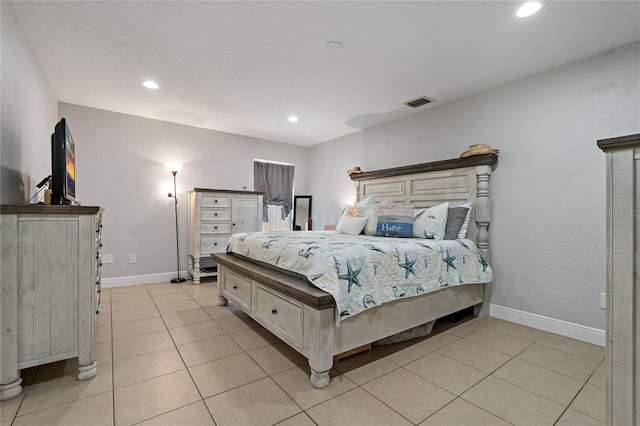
424 185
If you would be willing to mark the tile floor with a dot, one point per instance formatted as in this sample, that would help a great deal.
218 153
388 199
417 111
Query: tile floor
168 355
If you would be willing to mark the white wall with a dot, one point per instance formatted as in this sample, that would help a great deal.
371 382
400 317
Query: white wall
120 166
29 114
548 190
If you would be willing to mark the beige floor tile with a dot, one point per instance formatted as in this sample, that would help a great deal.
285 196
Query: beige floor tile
201 290
126 289
142 344
9 408
446 372
465 328
207 302
355 407
592 401
104 353
137 327
513 404
155 290
513 329
105 307
258 403
300 419
103 334
194 332
138 294
574 347
147 366
237 322
462 413
253 338
222 311
177 307
296 384
476 356
411 396
208 350
541 381
561 362
181 319
574 418
133 315
171 298
276 358
195 414
226 373
498 341
599 377
103 319
364 367
125 305
92 410
438 341
144 400
54 391
401 353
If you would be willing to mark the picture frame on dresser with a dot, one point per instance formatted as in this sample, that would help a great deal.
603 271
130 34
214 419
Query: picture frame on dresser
213 216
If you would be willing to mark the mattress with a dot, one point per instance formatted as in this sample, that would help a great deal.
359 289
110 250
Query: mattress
361 272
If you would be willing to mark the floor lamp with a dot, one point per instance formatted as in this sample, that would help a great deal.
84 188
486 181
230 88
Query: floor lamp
174 168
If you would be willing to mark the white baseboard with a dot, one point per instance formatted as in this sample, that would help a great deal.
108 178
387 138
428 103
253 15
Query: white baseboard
140 279
564 328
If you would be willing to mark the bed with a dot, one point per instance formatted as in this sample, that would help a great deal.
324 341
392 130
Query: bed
309 319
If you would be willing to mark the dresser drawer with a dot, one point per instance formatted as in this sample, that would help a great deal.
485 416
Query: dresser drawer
214 201
214 214
213 244
237 288
215 228
284 314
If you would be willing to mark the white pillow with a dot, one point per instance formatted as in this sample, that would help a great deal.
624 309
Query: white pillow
431 222
465 225
351 225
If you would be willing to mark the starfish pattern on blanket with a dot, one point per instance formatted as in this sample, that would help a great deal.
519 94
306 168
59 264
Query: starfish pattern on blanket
351 276
449 261
407 266
482 262
373 248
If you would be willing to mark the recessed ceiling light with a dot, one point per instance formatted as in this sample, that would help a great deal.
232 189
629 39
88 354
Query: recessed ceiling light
293 119
150 84
528 9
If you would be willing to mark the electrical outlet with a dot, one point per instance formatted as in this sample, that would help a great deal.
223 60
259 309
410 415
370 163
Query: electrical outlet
133 258
108 258
603 300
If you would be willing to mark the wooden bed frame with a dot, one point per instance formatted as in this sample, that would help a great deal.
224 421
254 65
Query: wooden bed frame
303 315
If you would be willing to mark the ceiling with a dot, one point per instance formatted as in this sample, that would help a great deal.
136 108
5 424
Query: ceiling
245 67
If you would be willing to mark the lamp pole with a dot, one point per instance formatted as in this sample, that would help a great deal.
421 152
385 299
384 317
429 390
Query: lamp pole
174 168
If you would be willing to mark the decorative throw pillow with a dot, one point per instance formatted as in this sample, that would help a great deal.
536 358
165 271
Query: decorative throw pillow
465 225
430 223
351 225
352 210
455 219
371 213
395 222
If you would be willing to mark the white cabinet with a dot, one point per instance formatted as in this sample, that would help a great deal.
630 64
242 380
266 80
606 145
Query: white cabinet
214 215
50 289
623 299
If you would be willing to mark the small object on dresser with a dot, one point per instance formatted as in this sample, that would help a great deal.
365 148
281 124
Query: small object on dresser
479 149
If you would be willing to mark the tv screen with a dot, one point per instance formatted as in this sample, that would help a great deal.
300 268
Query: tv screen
63 165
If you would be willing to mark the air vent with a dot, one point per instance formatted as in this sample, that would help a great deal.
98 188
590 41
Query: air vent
423 100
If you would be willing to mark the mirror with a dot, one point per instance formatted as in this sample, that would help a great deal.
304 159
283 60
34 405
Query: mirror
302 213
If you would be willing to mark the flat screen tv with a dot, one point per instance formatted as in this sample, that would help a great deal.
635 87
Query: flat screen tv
63 165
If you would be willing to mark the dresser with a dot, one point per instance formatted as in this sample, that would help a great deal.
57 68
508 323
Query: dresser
623 259
50 289
214 215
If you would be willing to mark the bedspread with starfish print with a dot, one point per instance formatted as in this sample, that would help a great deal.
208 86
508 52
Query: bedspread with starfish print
361 272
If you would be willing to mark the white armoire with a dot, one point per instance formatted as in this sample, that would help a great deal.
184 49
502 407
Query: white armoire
623 261
214 215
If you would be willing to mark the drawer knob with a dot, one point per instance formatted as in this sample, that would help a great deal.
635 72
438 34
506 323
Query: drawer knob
215 244
274 311
215 227
235 287
215 201
233 224
215 214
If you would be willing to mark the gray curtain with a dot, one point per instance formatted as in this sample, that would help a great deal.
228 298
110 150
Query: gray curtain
276 182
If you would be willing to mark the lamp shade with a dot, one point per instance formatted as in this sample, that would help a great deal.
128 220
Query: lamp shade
173 167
